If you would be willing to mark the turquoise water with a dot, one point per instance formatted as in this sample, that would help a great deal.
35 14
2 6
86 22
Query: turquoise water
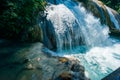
99 61
79 34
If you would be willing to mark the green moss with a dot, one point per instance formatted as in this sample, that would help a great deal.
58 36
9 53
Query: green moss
17 16
115 4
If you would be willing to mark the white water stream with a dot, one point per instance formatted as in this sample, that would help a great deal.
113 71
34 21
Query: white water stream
112 17
79 34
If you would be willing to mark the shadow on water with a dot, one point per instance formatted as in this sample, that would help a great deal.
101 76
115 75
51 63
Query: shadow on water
14 58
8 49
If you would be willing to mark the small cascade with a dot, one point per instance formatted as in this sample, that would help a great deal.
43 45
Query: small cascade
93 31
71 27
113 19
74 26
100 61
66 27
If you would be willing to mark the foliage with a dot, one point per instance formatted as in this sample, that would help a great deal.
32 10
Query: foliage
17 16
115 4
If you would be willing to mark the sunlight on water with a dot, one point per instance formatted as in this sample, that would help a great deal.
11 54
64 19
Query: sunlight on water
81 35
74 26
100 61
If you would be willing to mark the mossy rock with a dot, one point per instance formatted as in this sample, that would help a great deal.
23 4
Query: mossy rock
33 34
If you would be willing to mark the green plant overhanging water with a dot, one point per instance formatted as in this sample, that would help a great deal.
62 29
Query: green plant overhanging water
18 15
115 4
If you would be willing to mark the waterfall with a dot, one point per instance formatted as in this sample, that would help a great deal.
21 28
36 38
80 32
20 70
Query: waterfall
74 26
113 19
100 61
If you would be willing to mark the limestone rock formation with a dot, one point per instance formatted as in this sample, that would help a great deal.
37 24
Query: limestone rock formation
30 62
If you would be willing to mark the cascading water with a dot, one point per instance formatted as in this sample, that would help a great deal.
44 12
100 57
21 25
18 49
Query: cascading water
112 17
100 61
73 27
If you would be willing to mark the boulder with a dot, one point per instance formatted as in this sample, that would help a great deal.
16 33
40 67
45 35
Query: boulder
65 76
115 32
31 62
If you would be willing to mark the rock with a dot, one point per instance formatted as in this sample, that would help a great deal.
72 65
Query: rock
77 68
26 61
63 60
29 67
37 65
115 75
38 59
65 76
115 32
99 10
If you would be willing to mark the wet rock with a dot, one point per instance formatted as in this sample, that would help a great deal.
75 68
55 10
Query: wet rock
63 60
26 61
29 67
77 68
35 64
115 32
65 76
113 76
38 59
99 10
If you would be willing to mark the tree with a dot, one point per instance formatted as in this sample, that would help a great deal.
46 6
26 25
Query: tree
115 4
18 15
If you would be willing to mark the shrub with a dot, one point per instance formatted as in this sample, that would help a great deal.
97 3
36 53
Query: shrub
17 16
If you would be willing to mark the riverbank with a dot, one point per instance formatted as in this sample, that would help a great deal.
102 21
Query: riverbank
30 62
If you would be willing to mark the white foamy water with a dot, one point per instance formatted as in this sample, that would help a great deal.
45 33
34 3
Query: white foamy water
74 26
80 35
63 23
100 61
